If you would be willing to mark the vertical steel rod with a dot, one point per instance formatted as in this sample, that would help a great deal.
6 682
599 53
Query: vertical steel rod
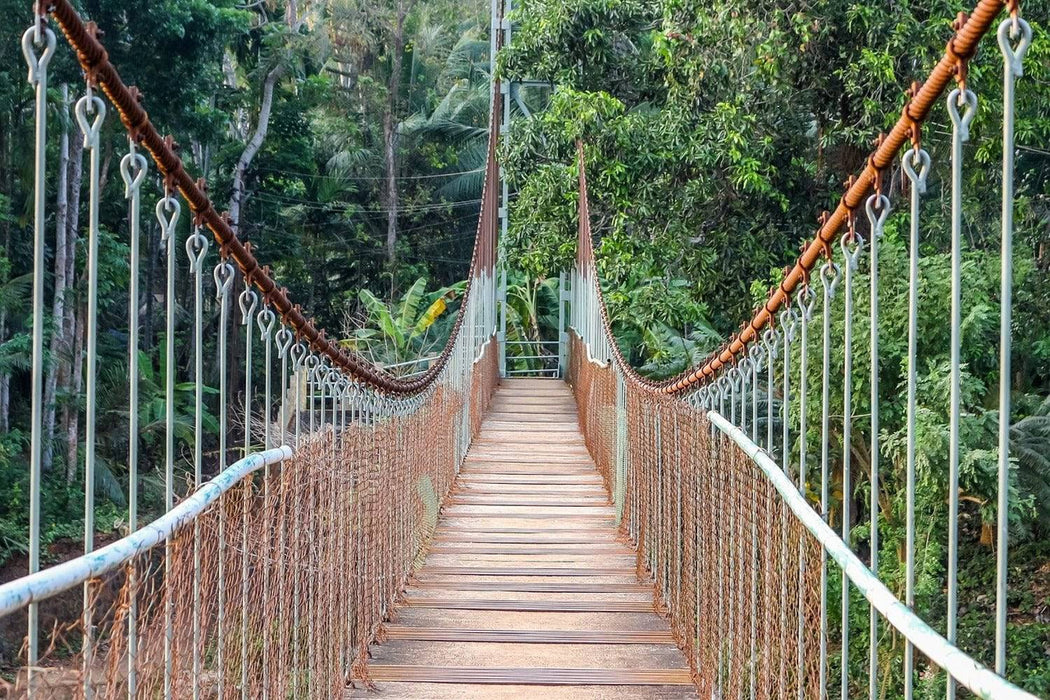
168 211
960 134
87 105
38 77
248 300
133 170
851 255
880 202
911 159
197 249
829 276
1018 30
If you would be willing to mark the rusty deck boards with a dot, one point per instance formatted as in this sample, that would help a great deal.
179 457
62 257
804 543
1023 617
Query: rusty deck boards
526 591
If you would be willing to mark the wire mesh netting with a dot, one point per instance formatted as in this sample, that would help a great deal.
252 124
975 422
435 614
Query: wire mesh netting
277 589
736 573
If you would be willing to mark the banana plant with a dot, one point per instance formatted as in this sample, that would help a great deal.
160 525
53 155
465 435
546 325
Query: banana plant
532 317
414 326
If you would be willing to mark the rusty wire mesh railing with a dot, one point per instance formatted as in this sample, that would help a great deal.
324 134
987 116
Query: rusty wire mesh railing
722 476
269 579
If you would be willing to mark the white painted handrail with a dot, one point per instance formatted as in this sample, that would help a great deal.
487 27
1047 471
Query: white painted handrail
54 580
979 679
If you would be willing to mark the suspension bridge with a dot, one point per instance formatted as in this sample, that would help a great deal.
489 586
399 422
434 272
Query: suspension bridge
462 533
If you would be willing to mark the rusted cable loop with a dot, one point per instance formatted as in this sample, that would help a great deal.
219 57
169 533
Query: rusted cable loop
851 213
225 248
916 175
962 65
1014 8
914 123
877 182
39 22
320 342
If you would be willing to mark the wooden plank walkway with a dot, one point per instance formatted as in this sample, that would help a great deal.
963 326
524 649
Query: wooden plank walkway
526 591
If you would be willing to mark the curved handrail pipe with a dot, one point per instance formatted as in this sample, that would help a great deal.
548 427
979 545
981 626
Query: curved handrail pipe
980 680
54 580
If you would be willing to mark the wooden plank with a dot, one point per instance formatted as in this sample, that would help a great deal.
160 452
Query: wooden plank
450 537
530 586
493 530
531 418
521 501
526 399
458 634
534 428
536 549
611 606
536 489
529 676
526 554
535 479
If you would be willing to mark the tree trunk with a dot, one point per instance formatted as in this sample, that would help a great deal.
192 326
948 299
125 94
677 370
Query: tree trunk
389 157
151 274
71 330
7 175
397 49
73 406
5 382
58 311
254 144
76 172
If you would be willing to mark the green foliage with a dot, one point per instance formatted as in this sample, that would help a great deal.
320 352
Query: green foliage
532 321
416 325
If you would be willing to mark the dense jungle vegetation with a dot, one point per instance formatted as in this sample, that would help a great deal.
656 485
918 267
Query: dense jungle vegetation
347 137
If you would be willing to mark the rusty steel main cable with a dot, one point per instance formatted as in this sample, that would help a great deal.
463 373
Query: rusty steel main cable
961 47
94 60
959 50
